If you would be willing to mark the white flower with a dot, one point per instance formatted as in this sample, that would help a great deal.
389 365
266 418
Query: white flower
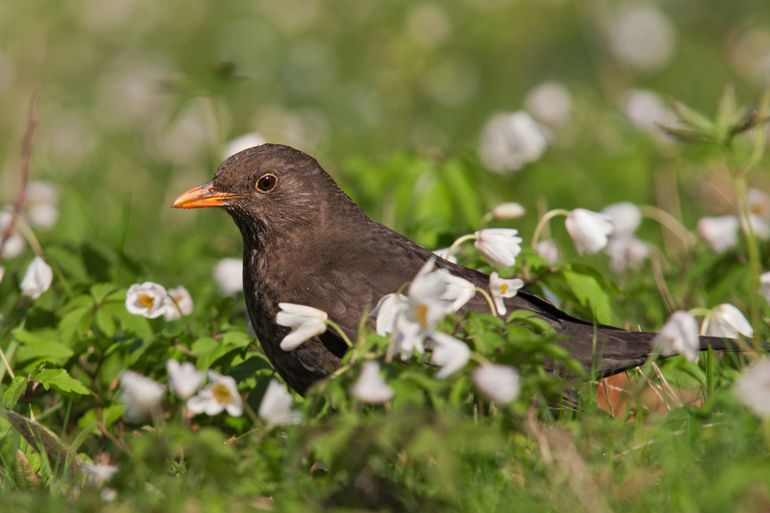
444 253
389 307
589 230
548 250
720 233
305 322
14 246
759 213
549 103
753 387
147 299
679 336
501 289
498 246
507 211
37 279
142 396
370 387
499 383
99 473
178 303
41 203
511 140
642 37
726 321
184 377
276 406
241 143
458 290
764 285
449 353
220 394
625 216
228 273
627 252
647 111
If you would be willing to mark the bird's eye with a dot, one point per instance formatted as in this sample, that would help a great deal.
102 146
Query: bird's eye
267 182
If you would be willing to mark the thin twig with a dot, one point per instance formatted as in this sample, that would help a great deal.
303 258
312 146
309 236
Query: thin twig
26 153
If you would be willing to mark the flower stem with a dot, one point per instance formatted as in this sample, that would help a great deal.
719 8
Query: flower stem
25 230
336 327
543 222
456 244
490 302
755 264
480 359
669 222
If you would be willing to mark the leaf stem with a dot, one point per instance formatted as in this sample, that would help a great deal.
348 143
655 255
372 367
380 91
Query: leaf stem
543 222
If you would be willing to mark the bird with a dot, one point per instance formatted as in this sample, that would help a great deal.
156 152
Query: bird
305 241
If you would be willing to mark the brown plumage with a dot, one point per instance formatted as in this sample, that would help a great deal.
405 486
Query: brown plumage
306 242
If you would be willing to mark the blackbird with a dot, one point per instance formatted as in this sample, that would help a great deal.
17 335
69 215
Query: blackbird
306 242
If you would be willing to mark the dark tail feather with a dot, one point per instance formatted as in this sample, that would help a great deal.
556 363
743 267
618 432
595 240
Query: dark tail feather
619 350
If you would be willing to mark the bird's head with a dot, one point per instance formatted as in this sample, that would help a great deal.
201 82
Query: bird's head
267 188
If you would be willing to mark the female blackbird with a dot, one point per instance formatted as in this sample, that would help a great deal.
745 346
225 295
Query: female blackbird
306 242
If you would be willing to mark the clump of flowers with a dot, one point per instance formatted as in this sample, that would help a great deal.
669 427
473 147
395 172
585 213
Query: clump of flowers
152 300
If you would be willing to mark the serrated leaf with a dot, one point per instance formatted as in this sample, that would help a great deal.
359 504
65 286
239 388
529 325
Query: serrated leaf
61 381
43 344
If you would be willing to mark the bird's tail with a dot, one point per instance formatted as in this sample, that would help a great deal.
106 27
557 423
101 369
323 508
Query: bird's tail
621 350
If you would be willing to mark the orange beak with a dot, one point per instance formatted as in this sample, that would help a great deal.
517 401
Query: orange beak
203 196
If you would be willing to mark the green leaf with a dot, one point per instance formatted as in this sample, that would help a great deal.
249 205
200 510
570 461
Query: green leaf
590 294
43 344
61 381
13 392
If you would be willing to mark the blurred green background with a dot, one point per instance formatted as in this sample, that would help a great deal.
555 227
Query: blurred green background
139 97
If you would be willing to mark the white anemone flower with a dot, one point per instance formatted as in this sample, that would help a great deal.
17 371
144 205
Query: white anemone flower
221 394
548 250
501 288
498 246
550 103
185 379
753 387
511 140
588 230
641 37
764 286
147 299
228 273
499 383
444 253
276 406
99 473
389 307
142 396
507 211
14 245
37 279
458 290
646 110
370 387
625 216
449 353
241 143
726 321
679 336
720 233
305 322
41 204
627 252
178 303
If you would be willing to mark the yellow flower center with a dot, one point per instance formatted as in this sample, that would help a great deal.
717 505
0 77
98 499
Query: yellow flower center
503 288
757 209
146 301
421 314
222 394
